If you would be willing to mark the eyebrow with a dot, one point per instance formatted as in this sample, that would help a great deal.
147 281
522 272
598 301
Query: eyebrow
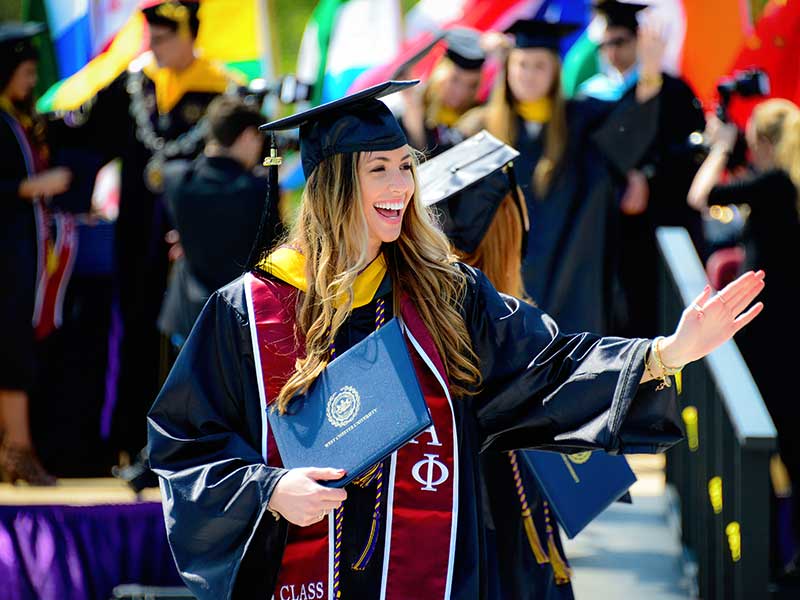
384 159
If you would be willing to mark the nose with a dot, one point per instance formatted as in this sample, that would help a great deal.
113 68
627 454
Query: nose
398 182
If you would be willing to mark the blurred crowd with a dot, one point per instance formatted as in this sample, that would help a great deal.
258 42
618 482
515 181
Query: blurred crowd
93 312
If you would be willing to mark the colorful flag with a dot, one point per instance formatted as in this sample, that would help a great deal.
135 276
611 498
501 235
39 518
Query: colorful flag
234 32
483 15
773 46
343 39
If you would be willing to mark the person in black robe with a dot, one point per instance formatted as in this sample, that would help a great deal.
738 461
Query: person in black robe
569 186
148 115
771 241
663 172
215 203
25 183
472 188
538 386
430 113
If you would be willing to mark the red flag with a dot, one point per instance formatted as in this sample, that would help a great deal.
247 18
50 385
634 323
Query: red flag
774 46
483 15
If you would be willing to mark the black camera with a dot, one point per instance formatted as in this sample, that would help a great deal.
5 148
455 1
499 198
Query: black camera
746 84
286 89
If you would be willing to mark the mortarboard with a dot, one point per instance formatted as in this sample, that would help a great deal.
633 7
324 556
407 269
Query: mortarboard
464 49
16 45
359 122
466 184
619 14
180 15
12 32
536 33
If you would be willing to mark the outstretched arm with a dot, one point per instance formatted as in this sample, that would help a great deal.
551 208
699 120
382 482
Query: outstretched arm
707 324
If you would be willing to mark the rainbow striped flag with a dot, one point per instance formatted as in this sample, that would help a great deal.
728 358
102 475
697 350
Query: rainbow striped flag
234 32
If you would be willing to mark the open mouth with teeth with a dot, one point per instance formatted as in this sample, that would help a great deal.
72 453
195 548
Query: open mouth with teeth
389 210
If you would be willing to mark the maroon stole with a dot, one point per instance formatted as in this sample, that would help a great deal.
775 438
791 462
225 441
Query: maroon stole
54 260
422 483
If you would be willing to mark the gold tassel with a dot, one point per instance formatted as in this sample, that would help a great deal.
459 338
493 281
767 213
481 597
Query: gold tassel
533 538
561 571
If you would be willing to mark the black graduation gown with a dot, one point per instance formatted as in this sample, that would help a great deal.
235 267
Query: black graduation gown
105 125
541 388
216 205
18 265
670 164
568 268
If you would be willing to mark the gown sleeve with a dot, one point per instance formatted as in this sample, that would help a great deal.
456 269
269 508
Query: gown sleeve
567 392
762 188
101 124
204 433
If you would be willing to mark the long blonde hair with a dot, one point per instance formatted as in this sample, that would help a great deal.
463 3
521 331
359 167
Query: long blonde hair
499 255
331 232
501 121
778 122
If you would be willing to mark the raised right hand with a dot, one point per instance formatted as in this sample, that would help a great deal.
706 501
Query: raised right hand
301 500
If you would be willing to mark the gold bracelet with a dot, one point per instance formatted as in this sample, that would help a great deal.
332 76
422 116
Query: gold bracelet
664 368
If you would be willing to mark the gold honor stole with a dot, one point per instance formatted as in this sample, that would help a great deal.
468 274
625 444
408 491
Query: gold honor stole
422 483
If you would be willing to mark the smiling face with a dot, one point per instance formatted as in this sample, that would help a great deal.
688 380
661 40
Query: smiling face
531 73
387 185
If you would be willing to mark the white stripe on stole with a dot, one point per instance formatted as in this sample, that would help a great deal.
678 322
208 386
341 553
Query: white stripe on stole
331 550
454 526
247 281
387 545
66 235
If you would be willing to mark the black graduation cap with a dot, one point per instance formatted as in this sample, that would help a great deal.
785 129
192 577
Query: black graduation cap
466 184
537 33
356 123
619 14
16 45
464 48
14 31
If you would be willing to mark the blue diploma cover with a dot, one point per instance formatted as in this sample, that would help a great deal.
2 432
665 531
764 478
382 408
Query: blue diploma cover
579 486
366 404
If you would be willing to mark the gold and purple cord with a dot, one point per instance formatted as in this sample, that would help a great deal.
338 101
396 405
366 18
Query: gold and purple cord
561 569
527 518
374 474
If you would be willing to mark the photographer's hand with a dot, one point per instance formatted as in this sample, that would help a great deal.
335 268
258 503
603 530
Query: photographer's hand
722 138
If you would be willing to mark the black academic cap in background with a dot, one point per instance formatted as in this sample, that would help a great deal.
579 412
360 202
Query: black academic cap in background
464 47
13 31
16 46
359 122
619 14
537 33
466 184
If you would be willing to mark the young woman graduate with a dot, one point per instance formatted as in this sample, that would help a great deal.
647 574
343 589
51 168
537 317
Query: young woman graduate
571 192
496 373
25 183
431 112
472 190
